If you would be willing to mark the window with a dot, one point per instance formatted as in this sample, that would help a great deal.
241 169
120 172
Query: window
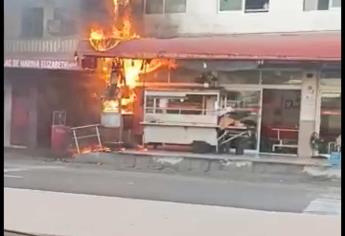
189 105
175 6
336 3
239 77
256 5
150 103
184 75
62 24
323 5
310 5
230 5
32 22
165 6
249 5
154 6
282 77
330 79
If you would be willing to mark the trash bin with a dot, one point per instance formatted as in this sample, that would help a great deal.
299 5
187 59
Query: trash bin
60 140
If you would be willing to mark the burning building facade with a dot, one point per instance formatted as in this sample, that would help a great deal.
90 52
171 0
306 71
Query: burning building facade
282 83
285 83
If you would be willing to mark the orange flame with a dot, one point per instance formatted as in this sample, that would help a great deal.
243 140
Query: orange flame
132 71
111 106
97 34
102 41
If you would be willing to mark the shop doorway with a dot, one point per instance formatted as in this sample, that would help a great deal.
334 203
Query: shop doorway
246 109
20 117
330 122
280 121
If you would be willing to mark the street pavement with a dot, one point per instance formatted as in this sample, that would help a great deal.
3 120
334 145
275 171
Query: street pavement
14 234
45 212
58 198
270 194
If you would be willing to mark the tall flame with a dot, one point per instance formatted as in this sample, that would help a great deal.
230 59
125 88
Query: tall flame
122 30
104 41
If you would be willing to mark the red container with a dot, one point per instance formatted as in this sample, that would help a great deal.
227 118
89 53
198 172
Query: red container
60 139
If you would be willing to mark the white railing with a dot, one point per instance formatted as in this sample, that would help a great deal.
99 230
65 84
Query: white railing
41 45
94 134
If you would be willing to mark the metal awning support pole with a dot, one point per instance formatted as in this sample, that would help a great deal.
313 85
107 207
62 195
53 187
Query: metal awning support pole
76 141
98 137
121 123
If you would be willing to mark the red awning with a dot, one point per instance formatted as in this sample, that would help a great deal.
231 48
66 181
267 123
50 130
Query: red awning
322 46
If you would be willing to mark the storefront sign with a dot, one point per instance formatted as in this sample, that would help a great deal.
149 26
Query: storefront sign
42 64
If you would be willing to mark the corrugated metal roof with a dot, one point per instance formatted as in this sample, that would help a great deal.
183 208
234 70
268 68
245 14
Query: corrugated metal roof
322 46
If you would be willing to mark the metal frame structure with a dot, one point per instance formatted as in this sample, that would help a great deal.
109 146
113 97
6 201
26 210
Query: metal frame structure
77 138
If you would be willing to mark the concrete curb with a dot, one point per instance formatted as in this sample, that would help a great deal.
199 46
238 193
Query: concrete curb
205 166
227 158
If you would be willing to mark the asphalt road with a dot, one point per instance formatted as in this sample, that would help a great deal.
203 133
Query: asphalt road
7 233
261 194
13 234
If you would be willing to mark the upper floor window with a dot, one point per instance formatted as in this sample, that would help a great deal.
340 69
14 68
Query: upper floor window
165 6
310 5
175 6
256 5
230 5
248 5
63 23
336 3
154 6
32 22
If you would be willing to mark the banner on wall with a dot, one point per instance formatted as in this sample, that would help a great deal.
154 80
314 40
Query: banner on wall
42 64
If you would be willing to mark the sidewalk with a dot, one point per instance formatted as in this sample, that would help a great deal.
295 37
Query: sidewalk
211 164
37 154
88 215
281 159
192 164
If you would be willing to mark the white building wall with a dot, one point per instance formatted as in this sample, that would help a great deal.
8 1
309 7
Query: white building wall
13 10
203 17
7 112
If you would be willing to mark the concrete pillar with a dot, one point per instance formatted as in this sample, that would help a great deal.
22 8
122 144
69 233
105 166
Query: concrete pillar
7 112
33 116
308 113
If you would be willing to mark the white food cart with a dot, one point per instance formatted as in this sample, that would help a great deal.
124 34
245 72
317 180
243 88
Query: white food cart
181 116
